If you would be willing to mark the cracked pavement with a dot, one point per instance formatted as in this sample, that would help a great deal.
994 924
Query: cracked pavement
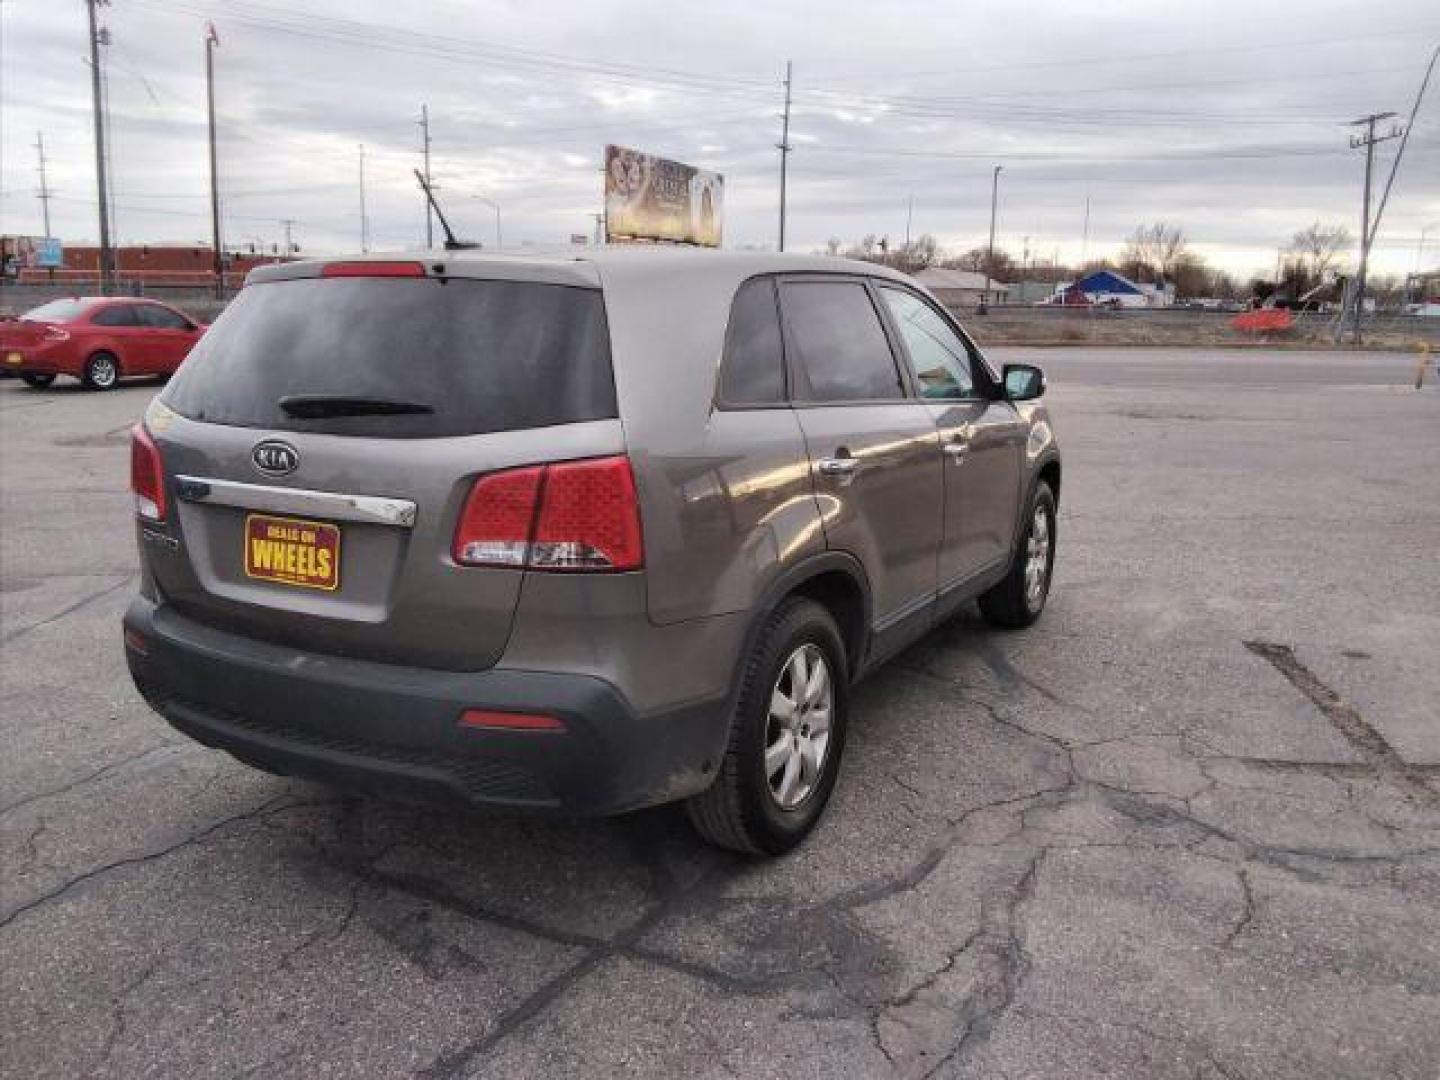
1187 826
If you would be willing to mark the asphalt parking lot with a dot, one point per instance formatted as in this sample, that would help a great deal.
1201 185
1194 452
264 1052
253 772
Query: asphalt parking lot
1187 826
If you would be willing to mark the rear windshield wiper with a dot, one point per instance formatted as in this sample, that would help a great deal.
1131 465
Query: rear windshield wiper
322 406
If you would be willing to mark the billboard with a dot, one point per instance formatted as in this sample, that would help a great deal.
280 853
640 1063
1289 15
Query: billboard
651 198
31 253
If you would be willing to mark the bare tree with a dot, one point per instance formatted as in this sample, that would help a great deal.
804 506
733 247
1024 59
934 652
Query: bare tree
1316 250
1153 251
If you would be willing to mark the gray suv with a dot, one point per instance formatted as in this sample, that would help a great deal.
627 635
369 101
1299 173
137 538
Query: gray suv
580 533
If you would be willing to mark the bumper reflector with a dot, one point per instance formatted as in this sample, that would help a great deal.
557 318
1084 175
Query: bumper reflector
493 720
136 643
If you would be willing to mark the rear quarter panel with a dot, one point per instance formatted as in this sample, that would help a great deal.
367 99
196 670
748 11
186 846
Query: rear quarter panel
726 496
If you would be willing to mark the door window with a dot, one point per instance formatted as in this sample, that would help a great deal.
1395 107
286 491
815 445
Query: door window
160 318
116 315
842 349
753 372
938 355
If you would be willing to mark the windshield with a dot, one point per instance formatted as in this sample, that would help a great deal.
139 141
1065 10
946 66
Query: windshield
450 357
56 311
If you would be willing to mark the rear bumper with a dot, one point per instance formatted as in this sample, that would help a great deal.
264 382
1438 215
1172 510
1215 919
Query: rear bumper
394 730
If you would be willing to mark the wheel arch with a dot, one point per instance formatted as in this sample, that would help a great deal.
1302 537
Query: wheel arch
834 580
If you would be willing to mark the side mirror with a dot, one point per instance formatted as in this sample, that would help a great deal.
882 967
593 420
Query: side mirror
1023 382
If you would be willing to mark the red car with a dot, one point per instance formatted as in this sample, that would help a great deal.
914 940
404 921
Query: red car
97 340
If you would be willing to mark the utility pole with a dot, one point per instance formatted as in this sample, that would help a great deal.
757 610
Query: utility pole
1368 140
212 42
44 182
909 214
1084 239
101 184
425 151
990 250
289 226
364 221
784 147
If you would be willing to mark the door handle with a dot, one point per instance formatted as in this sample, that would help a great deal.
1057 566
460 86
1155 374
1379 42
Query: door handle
957 450
837 466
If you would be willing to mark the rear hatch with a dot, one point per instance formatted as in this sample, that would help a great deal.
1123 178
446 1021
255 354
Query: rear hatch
321 441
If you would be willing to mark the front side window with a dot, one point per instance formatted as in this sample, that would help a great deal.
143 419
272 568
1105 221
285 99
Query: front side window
938 356
842 349
116 315
753 371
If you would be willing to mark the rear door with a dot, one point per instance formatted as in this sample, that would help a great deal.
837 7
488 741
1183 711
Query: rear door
171 337
873 448
128 335
351 416
982 437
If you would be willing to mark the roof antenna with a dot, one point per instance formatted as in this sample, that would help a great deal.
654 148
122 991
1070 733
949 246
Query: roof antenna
451 243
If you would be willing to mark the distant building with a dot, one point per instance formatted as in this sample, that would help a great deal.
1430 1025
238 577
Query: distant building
1106 288
146 264
962 288
1030 292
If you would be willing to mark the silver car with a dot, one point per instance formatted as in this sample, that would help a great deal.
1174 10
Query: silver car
581 533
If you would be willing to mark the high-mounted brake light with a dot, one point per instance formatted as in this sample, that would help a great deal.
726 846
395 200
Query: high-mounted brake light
572 516
373 269
147 475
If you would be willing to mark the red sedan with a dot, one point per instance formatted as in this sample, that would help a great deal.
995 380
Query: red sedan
97 340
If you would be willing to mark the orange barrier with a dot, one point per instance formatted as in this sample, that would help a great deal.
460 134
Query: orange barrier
1264 321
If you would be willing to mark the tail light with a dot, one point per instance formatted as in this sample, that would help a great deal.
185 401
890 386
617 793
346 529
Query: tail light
575 515
147 475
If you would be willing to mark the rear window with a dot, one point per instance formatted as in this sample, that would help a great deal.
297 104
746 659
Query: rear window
480 356
56 311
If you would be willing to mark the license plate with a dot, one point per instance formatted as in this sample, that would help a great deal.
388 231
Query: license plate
287 551
14 358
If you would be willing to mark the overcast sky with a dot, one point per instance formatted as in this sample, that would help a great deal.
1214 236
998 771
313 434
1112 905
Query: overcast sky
1228 119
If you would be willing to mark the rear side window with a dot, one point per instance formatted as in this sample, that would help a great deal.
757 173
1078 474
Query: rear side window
464 357
159 318
753 372
116 315
56 311
843 352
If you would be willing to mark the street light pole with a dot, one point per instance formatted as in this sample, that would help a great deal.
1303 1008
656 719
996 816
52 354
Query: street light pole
990 250
496 207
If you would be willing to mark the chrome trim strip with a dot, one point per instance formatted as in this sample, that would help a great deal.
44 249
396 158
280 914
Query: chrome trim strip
374 509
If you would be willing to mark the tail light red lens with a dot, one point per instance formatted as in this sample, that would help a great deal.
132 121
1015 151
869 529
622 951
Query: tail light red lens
147 475
572 516
498 518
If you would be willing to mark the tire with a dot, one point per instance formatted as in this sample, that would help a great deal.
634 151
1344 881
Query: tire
37 382
102 372
1016 601
754 810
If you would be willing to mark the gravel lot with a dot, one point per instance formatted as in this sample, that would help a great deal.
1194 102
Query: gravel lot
1188 826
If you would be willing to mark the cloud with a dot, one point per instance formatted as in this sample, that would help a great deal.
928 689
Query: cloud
1228 120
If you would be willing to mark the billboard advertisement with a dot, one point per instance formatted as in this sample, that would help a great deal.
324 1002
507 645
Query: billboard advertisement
31 253
652 198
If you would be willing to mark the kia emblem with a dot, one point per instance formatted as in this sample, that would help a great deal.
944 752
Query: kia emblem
274 457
